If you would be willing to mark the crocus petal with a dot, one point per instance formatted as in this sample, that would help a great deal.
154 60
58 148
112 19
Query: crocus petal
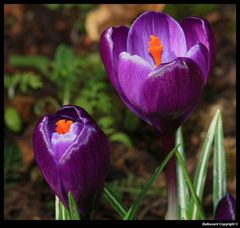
112 42
226 209
164 27
171 92
198 30
61 142
75 113
199 54
83 168
132 71
44 156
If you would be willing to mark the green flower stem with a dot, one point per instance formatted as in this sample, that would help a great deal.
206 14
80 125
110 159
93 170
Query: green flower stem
168 141
183 193
73 208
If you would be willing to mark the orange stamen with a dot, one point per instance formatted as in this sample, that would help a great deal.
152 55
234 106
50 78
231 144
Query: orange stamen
63 126
155 49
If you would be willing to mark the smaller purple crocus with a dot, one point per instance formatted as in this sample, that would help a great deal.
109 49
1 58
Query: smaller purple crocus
72 153
226 208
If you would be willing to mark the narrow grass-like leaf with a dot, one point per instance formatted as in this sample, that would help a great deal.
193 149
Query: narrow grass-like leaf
61 213
74 212
65 212
201 171
190 186
115 203
131 212
58 209
183 194
219 165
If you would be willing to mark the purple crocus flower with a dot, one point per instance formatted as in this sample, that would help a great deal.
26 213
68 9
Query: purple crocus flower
72 153
226 208
159 67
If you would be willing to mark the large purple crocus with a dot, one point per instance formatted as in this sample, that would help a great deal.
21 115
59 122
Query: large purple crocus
72 153
159 68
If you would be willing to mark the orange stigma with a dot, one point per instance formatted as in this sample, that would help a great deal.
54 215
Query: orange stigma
63 126
155 49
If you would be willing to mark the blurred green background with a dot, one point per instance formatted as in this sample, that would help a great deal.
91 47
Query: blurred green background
51 57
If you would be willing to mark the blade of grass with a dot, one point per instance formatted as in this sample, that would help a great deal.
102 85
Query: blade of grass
219 165
74 212
61 213
131 212
190 186
65 212
114 202
58 209
201 171
183 194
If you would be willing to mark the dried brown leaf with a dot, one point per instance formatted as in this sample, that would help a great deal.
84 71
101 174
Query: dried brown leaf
108 15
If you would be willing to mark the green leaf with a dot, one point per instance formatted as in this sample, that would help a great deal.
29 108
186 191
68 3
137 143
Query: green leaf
130 121
64 62
219 165
29 80
83 102
40 63
64 55
65 213
58 209
121 137
74 212
190 186
115 203
106 123
25 81
12 119
132 211
10 82
61 213
201 171
183 194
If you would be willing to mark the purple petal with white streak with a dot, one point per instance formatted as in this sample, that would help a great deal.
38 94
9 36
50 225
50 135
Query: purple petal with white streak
171 92
198 30
199 54
164 27
112 42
